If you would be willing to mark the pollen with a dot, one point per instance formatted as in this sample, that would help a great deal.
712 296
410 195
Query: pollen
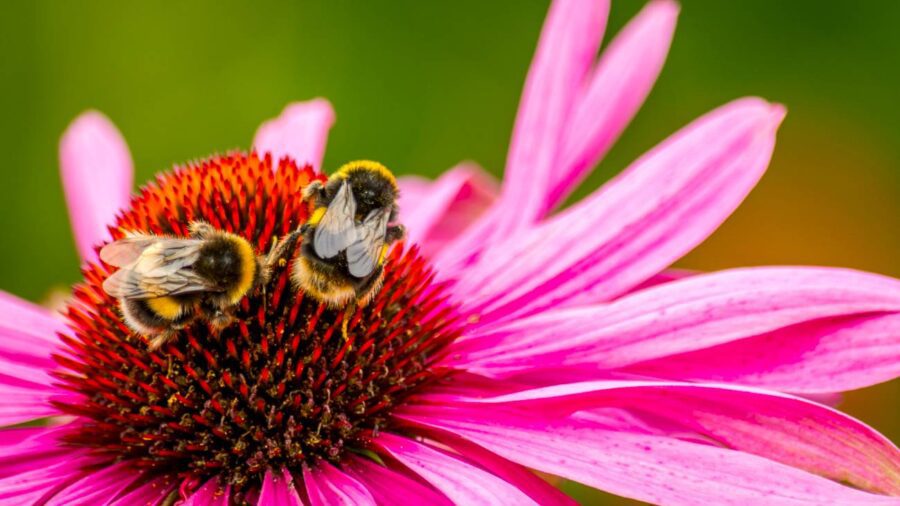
280 386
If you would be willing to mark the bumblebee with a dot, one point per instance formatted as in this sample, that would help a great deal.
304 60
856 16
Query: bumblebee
345 240
165 283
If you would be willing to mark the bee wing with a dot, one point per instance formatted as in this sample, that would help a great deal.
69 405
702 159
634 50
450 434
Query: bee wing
127 250
336 230
364 254
162 268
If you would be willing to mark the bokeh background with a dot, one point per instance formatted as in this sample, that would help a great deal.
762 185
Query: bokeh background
423 85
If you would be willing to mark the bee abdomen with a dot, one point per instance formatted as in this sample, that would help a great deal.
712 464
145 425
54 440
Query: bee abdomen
152 316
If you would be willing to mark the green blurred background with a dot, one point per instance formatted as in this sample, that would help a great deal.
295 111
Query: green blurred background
423 85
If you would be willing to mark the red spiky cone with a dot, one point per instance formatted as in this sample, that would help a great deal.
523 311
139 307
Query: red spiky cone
278 387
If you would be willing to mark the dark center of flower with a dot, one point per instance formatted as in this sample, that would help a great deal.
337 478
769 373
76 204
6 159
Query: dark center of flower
277 388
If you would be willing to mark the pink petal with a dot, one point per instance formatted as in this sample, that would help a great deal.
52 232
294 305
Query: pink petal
391 487
459 255
28 335
414 191
299 132
96 488
32 484
567 49
666 203
21 405
212 493
706 312
666 276
601 109
620 83
97 175
11 437
812 358
542 492
786 429
435 213
326 485
151 493
656 469
278 489
27 338
463 483
25 449
28 318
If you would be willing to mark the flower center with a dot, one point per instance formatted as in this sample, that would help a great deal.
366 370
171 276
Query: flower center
278 387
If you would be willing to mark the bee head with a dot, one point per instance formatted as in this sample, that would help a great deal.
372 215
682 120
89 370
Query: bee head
373 186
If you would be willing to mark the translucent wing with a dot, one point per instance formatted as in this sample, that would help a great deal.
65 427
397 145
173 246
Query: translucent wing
126 251
365 254
162 268
336 230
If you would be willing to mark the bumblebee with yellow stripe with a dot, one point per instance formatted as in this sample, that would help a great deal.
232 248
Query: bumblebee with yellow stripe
165 283
346 238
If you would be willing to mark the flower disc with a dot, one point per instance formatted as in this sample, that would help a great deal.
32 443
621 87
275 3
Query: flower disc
278 387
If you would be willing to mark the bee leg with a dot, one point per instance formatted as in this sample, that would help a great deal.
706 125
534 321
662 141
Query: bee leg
394 233
315 189
160 339
200 229
221 319
345 321
217 316
280 247
277 255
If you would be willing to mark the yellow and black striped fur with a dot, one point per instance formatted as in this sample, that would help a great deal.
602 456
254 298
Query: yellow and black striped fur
358 204
164 283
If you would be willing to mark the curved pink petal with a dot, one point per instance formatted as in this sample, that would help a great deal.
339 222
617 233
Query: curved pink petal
279 489
97 175
28 448
151 493
29 318
568 47
413 192
658 470
12 437
666 276
326 485
619 85
27 338
35 483
666 203
789 430
24 405
299 132
602 108
212 493
391 487
28 335
435 213
459 255
96 487
524 479
463 483
812 358
707 312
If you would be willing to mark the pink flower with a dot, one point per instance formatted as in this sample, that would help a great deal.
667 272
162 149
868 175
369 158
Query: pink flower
565 346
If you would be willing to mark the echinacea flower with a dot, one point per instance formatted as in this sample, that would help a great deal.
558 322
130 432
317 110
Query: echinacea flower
506 338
